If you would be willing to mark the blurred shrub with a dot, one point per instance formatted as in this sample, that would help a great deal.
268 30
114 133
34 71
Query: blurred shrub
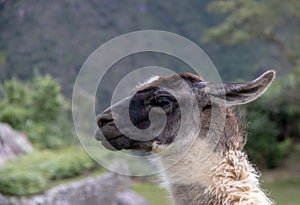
274 122
66 164
263 145
38 108
17 182
47 100
15 104
34 173
51 135
13 115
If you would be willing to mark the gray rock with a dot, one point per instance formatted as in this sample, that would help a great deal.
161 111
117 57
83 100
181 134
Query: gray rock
4 200
12 143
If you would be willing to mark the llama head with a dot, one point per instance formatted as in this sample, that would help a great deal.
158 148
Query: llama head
155 95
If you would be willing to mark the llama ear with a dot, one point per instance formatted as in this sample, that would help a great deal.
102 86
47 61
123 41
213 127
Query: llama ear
240 93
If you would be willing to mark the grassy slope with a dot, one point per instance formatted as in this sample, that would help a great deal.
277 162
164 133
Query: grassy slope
283 192
152 193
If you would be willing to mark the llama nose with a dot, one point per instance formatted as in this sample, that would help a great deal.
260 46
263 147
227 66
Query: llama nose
104 118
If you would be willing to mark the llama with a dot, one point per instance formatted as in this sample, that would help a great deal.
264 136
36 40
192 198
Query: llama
225 177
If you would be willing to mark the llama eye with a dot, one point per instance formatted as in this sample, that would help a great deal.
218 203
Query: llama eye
161 101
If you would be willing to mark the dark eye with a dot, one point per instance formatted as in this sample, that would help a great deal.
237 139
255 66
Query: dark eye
160 101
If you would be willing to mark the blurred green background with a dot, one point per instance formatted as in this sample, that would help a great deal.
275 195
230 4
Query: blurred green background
43 45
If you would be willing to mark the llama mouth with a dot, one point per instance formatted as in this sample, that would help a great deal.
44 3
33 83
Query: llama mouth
104 134
119 142
111 140
115 144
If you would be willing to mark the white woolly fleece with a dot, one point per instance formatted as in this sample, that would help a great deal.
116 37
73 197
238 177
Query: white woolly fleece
235 182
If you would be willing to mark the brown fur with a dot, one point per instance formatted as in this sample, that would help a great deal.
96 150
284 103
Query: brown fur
233 135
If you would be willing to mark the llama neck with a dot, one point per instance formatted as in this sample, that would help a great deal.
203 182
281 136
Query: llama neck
216 181
187 177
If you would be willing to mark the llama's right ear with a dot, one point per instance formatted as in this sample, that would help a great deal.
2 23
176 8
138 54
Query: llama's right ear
240 93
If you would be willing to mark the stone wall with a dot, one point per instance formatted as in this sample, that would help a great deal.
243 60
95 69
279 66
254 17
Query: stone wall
108 189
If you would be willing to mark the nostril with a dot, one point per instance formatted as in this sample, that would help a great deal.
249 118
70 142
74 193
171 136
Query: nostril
103 122
104 119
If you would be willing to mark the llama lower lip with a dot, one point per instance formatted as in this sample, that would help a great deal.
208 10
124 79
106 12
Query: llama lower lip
108 146
101 135
114 144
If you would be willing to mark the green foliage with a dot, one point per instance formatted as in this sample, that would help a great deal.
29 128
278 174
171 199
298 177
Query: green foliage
13 115
233 30
35 172
263 146
273 128
47 101
66 164
273 23
17 182
16 92
15 104
38 108
50 135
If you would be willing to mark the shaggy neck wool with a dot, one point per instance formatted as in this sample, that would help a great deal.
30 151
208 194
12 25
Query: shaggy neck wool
235 182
